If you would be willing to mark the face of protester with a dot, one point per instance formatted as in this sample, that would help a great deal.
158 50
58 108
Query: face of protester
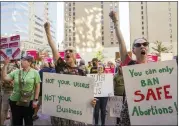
140 48
25 63
70 55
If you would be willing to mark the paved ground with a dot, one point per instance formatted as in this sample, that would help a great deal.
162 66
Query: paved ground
45 120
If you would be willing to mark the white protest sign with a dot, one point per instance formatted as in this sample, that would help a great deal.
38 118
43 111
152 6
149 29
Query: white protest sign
10 47
103 85
68 96
151 91
115 104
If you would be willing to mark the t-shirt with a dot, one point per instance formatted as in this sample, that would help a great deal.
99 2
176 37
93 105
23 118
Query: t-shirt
31 79
118 85
94 70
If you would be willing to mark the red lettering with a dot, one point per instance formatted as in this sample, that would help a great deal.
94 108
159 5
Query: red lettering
158 92
139 94
167 92
150 93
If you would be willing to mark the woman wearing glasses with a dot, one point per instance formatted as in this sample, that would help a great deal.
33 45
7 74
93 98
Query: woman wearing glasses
140 50
64 67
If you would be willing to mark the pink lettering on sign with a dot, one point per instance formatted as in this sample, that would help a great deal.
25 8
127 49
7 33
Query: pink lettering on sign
3 40
14 44
3 46
14 38
16 53
3 54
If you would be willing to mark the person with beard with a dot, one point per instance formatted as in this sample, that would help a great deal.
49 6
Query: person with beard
66 66
102 101
140 49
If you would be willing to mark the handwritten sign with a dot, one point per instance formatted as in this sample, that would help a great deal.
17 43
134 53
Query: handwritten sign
103 85
115 104
10 47
151 91
68 96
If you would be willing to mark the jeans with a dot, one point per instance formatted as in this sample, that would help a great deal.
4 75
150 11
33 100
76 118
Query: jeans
100 105
19 113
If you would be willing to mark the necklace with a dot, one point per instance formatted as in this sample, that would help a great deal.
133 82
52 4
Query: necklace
24 76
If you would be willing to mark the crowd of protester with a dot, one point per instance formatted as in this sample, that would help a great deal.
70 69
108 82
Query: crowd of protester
22 81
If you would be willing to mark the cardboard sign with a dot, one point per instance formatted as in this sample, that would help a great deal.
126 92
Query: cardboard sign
10 48
115 104
68 96
103 86
151 91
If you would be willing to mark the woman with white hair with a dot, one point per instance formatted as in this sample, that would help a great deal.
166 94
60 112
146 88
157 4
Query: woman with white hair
66 66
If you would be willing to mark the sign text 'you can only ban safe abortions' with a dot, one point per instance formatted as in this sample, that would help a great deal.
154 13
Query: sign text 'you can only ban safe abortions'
151 92
63 97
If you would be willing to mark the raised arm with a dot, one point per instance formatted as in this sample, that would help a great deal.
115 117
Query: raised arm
120 38
50 41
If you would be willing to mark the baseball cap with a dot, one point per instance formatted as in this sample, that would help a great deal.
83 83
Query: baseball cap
28 58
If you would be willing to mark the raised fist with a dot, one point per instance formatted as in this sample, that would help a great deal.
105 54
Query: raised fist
47 27
113 16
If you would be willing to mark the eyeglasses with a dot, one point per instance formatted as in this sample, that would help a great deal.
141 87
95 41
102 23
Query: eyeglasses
140 44
71 51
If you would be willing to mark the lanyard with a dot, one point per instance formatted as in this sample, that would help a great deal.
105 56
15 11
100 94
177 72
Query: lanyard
24 76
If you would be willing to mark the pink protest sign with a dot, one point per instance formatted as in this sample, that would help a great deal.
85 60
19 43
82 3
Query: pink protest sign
152 58
32 53
109 70
48 59
10 47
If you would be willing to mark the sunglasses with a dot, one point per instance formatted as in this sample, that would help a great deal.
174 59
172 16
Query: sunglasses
145 44
71 51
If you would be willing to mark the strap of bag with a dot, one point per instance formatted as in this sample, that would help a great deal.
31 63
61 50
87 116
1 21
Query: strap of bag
20 83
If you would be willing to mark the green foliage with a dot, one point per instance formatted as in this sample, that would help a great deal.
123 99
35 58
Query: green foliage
159 48
99 55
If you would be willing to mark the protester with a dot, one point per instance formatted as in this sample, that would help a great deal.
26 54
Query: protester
64 67
89 66
117 65
7 91
25 91
102 101
47 67
118 82
140 49
83 67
